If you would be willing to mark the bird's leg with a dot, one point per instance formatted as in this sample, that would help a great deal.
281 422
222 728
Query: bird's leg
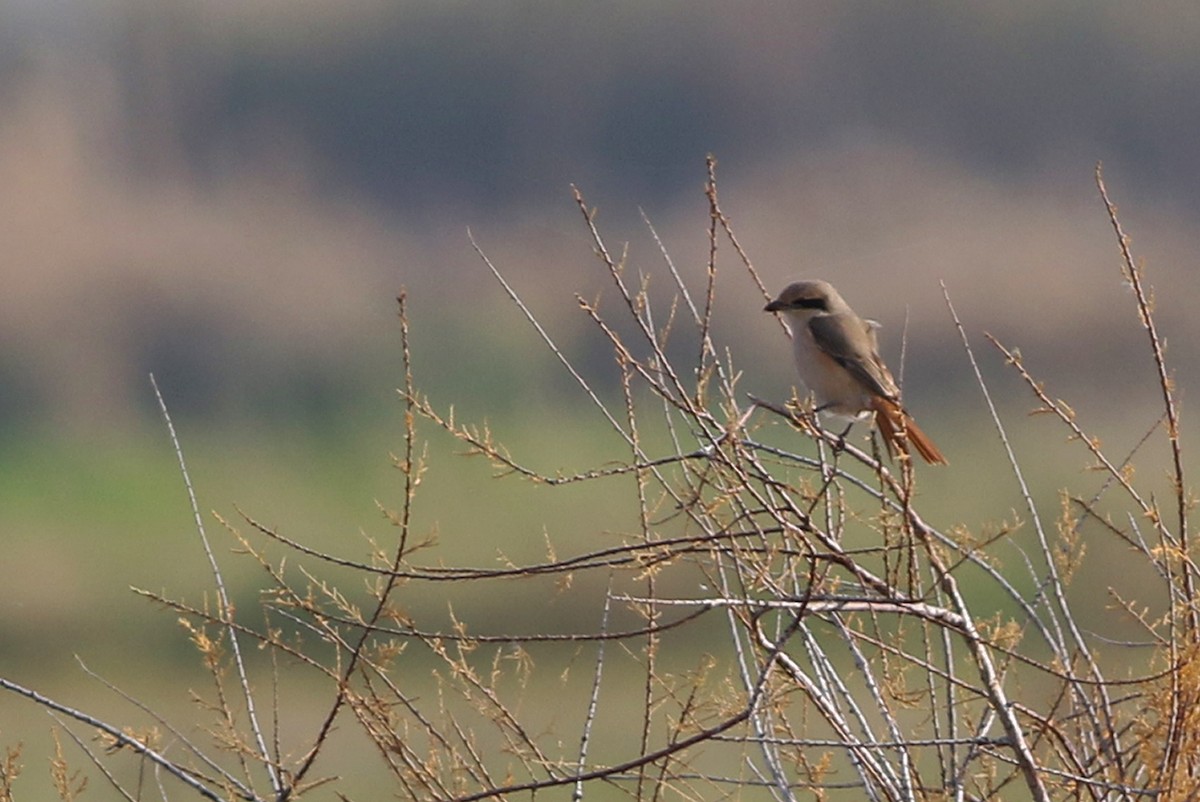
840 445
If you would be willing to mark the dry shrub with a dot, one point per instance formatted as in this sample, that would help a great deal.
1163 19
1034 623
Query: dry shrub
781 620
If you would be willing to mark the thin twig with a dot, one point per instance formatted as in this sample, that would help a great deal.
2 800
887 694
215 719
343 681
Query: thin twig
227 608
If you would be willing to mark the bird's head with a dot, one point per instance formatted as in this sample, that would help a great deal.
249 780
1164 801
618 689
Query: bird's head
807 298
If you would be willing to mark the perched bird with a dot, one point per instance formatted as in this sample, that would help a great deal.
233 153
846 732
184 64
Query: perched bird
837 356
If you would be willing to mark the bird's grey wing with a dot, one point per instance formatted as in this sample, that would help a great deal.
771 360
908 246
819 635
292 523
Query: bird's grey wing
851 343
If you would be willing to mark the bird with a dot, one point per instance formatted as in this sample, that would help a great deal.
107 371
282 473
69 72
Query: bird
837 357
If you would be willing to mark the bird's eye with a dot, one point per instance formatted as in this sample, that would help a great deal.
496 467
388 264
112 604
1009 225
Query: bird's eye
812 303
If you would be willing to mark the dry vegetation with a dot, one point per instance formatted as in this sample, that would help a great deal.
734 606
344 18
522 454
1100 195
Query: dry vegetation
784 621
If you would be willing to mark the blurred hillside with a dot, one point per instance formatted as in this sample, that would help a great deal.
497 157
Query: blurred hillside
230 194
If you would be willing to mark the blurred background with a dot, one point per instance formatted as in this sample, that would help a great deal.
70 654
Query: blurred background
231 194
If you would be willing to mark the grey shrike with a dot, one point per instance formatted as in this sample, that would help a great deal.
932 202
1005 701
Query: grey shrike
837 356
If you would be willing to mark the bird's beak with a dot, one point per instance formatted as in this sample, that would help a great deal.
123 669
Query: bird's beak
774 306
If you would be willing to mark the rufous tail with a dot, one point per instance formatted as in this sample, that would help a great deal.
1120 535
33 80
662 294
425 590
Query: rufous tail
899 430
